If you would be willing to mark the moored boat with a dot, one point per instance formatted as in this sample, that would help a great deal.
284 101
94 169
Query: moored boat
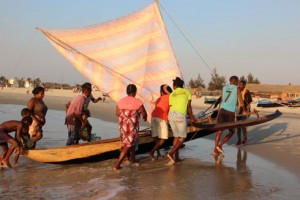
211 100
268 104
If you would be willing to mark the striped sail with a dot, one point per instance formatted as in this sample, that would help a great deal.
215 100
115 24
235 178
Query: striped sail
132 49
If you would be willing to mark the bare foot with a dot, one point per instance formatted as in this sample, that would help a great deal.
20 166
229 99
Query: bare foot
159 157
152 156
126 161
5 164
171 158
135 164
117 168
170 163
220 150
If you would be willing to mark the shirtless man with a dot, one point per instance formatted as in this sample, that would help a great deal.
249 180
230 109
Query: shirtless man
19 127
247 100
231 95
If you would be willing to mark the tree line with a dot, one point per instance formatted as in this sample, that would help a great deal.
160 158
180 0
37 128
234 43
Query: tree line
217 81
20 81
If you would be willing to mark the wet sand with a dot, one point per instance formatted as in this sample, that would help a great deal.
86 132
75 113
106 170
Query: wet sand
276 141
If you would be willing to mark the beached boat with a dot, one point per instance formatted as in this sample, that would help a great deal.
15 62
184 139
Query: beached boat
278 103
236 124
268 104
291 103
104 149
138 51
211 100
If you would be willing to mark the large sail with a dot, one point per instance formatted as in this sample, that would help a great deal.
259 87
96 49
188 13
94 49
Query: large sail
132 49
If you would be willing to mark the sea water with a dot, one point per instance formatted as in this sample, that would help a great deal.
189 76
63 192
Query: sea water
239 175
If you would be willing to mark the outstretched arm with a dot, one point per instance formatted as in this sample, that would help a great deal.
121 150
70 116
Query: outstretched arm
96 100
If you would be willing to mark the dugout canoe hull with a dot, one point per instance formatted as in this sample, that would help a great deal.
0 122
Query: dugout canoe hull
103 149
238 124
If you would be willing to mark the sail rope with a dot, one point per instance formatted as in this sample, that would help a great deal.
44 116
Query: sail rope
23 54
186 38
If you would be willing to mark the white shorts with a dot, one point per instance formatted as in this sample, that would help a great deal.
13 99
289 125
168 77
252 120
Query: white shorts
159 128
178 124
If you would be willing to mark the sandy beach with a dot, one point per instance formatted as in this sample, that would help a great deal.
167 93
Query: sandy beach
276 141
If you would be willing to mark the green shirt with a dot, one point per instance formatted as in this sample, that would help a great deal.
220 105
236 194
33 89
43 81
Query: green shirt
178 100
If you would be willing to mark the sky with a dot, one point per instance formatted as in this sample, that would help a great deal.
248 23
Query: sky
237 37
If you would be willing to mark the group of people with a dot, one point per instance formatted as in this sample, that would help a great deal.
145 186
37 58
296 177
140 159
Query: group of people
170 112
27 131
170 109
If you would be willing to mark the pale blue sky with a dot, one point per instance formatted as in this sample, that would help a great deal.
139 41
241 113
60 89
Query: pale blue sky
235 36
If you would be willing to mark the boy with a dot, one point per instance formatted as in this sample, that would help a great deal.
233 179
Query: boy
19 127
74 118
231 96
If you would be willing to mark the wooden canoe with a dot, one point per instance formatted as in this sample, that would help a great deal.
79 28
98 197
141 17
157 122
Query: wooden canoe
103 149
210 100
237 124
268 104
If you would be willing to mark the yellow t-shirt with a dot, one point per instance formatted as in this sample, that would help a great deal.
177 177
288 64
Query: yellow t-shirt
178 100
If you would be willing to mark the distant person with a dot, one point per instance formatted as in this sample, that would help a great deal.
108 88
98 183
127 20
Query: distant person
231 95
128 111
86 110
247 98
104 97
180 101
19 127
159 119
39 110
74 111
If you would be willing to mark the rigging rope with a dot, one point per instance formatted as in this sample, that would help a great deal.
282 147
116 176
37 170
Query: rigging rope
22 55
185 37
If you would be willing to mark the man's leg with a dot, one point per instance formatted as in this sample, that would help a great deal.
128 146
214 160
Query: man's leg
245 135
217 140
14 145
239 142
227 137
158 144
181 145
4 147
175 149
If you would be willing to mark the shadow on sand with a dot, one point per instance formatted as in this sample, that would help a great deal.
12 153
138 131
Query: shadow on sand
259 134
